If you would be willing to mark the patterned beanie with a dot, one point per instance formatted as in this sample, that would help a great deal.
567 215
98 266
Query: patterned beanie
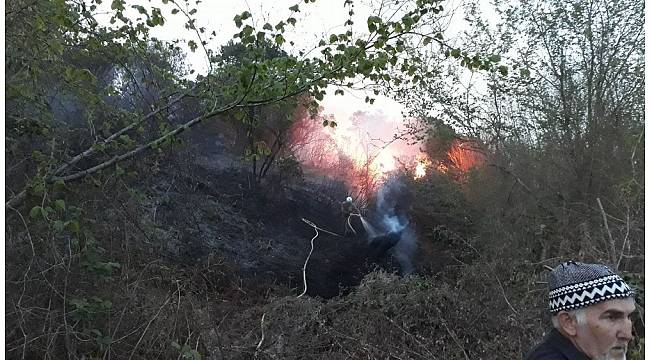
574 285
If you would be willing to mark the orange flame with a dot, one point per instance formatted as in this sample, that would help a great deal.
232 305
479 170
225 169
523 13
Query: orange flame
353 152
421 166
358 150
464 155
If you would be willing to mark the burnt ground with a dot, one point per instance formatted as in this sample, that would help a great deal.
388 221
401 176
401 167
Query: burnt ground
209 208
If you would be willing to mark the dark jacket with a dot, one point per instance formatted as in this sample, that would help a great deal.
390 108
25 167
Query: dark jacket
347 208
555 347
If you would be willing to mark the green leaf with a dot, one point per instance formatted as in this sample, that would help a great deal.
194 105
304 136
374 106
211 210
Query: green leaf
247 30
372 20
279 39
455 53
503 70
495 58
73 226
333 38
59 185
267 26
39 24
192 12
175 11
294 8
59 204
408 22
38 189
524 72
194 355
238 21
140 9
98 147
117 5
104 340
86 75
56 46
35 212
291 21
59 226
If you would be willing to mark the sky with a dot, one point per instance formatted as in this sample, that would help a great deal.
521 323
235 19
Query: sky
314 21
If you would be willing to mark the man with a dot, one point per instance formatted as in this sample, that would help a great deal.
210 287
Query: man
591 308
348 208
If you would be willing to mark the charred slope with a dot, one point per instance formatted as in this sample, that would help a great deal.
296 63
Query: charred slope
261 233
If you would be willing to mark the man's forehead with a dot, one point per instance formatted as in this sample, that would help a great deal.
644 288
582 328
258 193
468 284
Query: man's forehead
623 305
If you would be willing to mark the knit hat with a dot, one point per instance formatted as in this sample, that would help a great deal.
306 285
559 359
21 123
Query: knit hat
575 285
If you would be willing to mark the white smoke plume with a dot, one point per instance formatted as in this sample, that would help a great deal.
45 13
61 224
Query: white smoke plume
392 202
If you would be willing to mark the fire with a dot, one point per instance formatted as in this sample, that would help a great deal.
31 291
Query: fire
360 150
421 166
464 155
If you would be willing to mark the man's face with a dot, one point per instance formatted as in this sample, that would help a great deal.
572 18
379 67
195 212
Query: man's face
606 330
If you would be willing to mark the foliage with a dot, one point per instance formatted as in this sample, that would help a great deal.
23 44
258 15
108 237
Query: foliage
562 131
411 318
104 258
251 72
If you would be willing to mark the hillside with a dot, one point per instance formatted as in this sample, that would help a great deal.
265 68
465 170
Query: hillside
157 209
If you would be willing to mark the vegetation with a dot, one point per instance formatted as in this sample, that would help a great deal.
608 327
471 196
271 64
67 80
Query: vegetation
155 213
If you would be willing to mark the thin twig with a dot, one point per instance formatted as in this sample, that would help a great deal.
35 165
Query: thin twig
503 291
452 334
625 240
147 328
259 345
411 335
609 234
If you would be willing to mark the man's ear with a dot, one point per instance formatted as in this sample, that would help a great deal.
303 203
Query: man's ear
567 323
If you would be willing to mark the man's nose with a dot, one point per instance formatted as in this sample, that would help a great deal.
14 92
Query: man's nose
625 332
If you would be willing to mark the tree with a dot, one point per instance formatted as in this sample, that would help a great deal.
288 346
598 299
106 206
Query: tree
563 122
258 81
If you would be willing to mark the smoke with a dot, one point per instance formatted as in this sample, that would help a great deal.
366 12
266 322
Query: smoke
392 202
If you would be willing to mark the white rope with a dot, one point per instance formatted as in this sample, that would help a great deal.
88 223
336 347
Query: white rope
304 268
350 225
